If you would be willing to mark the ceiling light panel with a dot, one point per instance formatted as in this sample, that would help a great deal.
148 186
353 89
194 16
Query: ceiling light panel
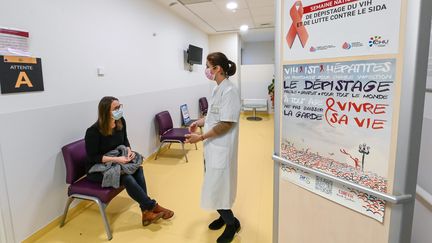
239 14
263 11
209 13
221 4
215 14
264 20
260 3
244 27
232 5
248 22
187 2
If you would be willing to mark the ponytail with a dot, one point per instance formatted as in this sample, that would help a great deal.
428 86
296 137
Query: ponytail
219 59
231 69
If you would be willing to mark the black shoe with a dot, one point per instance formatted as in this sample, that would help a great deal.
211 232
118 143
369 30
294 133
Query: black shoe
229 232
217 224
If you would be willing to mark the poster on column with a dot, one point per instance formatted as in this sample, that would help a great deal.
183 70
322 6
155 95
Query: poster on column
314 29
337 118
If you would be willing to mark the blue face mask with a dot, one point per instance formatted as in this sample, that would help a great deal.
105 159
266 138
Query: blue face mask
117 114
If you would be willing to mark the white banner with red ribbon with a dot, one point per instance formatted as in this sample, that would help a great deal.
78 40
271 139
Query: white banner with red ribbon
340 28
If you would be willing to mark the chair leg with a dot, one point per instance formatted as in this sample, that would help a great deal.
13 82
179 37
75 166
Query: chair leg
184 152
102 207
196 148
68 203
169 145
160 146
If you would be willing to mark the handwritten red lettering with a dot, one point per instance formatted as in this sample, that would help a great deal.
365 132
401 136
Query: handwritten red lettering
340 112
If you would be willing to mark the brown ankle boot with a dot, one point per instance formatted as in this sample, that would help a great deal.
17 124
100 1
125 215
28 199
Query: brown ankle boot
149 217
166 212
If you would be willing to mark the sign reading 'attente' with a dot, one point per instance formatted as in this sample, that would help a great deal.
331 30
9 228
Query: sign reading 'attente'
20 74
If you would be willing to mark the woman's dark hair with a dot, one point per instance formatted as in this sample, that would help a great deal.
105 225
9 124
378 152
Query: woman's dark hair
219 59
104 116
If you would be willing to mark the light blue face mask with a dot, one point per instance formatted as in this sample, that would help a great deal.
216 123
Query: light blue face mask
117 114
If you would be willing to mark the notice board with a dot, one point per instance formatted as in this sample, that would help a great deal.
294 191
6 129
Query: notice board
343 93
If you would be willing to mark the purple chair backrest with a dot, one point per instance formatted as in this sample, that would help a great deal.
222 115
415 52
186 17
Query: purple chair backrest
203 105
164 121
75 157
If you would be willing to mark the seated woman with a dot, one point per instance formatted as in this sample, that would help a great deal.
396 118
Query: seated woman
105 135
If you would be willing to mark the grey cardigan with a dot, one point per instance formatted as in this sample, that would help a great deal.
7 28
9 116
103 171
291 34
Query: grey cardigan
112 171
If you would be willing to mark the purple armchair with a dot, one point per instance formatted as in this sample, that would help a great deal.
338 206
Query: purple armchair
203 105
168 134
80 187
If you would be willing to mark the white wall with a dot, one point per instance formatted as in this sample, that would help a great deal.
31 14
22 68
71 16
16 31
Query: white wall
422 223
258 53
73 38
421 232
255 79
229 44
6 232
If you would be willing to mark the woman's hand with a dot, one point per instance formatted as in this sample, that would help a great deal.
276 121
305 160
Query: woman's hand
122 159
131 155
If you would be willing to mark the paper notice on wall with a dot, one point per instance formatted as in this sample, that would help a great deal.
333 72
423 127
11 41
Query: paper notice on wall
14 42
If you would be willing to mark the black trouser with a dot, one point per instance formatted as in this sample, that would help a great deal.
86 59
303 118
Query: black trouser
135 186
227 215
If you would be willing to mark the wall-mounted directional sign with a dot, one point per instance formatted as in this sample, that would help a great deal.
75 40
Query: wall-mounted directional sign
20 74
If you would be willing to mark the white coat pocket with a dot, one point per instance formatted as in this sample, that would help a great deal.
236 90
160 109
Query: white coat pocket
216 156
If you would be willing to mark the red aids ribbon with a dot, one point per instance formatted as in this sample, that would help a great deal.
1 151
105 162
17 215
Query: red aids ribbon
297 27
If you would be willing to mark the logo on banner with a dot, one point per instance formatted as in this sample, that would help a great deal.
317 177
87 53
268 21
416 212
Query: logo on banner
377 41
347 195
297 28
346 46
305 179
321 48
351 45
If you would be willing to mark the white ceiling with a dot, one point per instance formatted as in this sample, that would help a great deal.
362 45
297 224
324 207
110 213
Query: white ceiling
213 17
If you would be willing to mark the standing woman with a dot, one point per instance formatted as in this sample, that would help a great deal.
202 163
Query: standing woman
220 136
108 132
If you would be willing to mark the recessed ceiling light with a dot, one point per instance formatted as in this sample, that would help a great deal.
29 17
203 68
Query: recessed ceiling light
231 5
244 27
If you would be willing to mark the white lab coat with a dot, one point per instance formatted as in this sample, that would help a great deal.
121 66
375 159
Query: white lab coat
220 153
